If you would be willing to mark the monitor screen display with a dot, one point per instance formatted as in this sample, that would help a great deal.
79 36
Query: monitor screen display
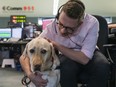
28 32
18 18
45 22
108 19
5 33
16 32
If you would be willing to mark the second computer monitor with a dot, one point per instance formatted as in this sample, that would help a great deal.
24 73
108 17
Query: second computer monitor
17 33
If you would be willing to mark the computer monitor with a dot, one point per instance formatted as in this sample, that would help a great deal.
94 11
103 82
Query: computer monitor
5 33
45 22
108 19
17 33
28 32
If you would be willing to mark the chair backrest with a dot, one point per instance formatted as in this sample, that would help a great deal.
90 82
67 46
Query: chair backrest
103 33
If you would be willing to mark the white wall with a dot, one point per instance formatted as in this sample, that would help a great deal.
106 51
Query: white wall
101 7
45 7
41 7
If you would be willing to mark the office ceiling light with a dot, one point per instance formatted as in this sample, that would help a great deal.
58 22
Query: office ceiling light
55 7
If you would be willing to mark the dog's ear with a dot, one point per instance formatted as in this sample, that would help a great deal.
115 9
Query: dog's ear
56 61
25 50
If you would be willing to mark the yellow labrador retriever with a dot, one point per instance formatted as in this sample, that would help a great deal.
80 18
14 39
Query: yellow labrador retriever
44 60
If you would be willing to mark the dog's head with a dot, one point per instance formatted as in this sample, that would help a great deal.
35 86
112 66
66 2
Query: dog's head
42 54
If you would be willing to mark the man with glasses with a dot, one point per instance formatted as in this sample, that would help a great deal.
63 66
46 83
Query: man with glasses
74 34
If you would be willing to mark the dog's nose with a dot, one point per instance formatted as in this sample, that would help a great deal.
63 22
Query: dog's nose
37 67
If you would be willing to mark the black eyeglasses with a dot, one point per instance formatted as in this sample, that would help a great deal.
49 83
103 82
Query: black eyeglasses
69 30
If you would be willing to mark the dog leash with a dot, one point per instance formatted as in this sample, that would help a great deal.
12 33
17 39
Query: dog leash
25 81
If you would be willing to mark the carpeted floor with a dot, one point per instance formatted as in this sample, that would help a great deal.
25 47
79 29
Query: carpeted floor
10 77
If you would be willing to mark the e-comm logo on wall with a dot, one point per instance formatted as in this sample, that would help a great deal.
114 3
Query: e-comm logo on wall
18 9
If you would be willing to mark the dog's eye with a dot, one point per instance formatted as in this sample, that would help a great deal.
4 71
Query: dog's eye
43 51
32 50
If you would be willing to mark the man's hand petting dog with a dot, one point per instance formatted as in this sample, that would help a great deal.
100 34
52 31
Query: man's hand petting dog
37 79
53 42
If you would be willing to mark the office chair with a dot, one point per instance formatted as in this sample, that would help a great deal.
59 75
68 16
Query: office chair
107 48
102 44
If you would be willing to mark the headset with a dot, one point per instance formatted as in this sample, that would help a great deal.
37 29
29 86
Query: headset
80 4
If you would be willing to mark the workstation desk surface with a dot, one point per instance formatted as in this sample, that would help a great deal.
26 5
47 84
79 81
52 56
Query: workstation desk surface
15 43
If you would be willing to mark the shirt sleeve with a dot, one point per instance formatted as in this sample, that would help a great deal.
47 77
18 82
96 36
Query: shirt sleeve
89 44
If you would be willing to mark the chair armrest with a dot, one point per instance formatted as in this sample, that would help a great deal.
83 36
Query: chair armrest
109 45
113 30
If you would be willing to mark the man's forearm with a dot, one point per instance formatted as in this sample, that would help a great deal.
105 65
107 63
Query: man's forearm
25 65
74 55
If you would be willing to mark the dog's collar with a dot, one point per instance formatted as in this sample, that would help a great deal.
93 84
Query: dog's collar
54 67
58 67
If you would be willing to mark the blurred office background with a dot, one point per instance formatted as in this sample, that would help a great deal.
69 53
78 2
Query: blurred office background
35 9
38 14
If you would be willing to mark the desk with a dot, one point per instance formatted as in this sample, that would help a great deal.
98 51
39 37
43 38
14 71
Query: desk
15 43
9 49
11 44
111 25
